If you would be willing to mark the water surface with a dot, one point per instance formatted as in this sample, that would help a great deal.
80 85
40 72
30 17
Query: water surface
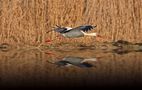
70 68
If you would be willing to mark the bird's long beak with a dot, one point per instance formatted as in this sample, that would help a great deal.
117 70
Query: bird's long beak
53 27
58 26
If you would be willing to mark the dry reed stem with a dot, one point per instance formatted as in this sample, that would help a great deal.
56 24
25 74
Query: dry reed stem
25 22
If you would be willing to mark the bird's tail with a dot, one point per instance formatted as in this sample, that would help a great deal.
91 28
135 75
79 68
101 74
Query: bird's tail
90 34
90 59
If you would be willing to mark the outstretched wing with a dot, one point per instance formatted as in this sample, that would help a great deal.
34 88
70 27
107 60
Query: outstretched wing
62 29
85 28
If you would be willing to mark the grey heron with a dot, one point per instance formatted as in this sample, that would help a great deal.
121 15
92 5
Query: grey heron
79 31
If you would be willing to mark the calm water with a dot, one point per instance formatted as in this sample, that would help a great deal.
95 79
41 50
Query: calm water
70 68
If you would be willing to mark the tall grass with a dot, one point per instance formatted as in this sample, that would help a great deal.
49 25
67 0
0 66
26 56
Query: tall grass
25 22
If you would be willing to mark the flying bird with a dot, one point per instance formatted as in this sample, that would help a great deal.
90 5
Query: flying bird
76 32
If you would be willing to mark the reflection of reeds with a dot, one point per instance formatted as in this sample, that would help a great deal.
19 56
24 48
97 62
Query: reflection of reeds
27 21
31 66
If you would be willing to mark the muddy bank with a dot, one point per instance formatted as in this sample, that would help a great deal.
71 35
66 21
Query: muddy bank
119 46
34 68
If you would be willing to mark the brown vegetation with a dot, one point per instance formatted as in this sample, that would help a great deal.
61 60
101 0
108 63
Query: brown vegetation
25 22
28 67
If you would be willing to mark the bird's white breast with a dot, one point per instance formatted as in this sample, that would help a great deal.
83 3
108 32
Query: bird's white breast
68 28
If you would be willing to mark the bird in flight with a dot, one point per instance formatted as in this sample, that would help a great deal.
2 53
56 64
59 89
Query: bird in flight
76 32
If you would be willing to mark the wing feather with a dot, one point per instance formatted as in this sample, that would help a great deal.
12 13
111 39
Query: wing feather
61 30
85 28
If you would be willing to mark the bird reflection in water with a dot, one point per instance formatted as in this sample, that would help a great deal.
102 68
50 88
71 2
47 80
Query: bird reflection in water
75 61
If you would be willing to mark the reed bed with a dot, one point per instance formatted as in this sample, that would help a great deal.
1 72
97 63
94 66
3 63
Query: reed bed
25 22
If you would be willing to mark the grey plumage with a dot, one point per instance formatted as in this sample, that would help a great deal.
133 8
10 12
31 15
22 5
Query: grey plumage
74 32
